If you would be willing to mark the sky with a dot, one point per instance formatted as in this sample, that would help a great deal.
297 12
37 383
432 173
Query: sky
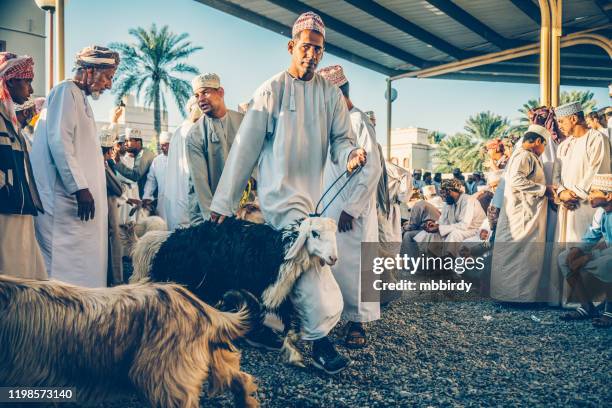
245 55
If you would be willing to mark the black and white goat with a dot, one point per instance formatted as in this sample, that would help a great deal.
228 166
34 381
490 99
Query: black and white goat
211 259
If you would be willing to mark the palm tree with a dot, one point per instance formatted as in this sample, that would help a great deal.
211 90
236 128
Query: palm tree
485 126
150 64
481 128
452 153
435 137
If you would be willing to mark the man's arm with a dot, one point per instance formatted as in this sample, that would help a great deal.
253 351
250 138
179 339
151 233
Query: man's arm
137 172
113 185
198 167
465 218
367 180
244 154
151 184
594 234
518 175
598 153
61 122
342 141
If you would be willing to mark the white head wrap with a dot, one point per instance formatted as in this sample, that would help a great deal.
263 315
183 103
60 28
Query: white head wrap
164 137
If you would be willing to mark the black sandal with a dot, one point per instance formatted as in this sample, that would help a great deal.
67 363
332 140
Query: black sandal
355 336
603 322
578 314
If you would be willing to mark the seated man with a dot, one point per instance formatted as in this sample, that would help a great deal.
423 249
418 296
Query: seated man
484 196
592 256
461 217
422 211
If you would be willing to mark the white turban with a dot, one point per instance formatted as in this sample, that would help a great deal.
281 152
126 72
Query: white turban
164 137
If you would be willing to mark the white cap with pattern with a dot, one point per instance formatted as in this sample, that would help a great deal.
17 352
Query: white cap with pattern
131 133
207 80
568 109
602 182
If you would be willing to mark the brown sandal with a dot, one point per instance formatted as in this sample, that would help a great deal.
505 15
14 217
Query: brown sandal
355 336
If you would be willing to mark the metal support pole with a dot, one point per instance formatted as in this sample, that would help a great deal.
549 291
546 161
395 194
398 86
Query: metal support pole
60 40
545 53
557 27
51 47
389 111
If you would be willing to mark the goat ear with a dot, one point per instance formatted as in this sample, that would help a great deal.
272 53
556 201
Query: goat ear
304 230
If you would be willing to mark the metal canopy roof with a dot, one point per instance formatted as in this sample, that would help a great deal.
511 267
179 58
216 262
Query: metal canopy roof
397 36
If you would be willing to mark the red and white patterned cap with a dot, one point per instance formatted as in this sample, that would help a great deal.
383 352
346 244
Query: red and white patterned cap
334 74
14 66
308 21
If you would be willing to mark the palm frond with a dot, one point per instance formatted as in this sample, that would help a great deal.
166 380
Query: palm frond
148 62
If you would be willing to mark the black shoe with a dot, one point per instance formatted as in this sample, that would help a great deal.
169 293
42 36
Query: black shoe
265 338
326 357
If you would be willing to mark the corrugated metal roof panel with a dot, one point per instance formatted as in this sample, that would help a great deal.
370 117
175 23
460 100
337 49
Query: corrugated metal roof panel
373 26
438 23
515 24
500 15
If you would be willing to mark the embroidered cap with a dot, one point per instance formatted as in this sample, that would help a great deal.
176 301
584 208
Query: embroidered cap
308 21
207 80
602 182
568 109
334 74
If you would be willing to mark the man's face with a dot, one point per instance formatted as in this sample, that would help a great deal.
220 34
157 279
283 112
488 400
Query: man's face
599 198
134 146
120 147
99 80
567 124
164 148
484 235
591 123
427 179
210 100
20 89
106 153
306 52
417 176
449 196
538 147
470 179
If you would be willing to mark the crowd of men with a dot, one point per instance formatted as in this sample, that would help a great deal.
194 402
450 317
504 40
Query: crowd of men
65 187
541 213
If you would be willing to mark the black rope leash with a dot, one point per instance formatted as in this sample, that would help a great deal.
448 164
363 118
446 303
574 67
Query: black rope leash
318 214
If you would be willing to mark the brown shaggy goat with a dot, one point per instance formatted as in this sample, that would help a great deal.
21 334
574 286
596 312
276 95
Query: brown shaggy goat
157 339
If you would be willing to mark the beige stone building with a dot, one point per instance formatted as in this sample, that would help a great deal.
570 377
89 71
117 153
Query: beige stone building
22 31
138 117
411 149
